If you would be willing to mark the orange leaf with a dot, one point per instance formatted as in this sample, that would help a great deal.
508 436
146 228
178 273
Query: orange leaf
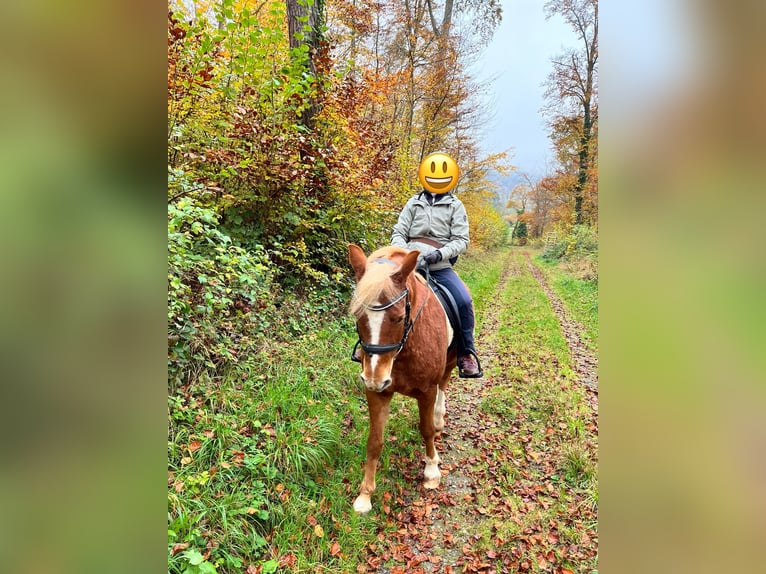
194 445
178 547
334 549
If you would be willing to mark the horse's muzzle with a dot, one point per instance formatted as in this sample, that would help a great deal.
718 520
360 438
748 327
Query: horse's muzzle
376 387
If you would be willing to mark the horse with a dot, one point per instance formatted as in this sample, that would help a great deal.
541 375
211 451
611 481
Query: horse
405 338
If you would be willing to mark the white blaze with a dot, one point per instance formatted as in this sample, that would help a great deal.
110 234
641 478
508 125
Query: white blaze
375 321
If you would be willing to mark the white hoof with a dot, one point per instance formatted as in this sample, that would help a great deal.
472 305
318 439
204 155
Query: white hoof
431 483
362 504
432 474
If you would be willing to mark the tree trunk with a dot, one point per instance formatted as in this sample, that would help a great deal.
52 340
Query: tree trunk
306 21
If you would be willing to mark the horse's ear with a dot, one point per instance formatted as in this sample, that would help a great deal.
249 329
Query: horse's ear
408 264
357 259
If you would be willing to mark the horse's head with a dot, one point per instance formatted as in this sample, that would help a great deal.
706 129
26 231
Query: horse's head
381 305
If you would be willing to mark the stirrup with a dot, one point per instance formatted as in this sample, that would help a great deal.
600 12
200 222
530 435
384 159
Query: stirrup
462 374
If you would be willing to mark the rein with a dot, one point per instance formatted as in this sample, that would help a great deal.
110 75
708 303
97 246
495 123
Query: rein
371 349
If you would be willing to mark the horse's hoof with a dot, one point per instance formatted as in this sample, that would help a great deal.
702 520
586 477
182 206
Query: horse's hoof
362 504
431 484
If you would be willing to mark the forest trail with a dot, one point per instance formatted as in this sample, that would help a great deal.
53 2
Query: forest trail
518 456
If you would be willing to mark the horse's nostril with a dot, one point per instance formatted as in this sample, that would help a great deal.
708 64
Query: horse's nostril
361 376
386 383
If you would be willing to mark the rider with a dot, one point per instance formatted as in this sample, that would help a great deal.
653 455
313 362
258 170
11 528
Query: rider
435 223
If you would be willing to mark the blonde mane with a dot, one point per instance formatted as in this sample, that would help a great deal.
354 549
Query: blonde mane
376 286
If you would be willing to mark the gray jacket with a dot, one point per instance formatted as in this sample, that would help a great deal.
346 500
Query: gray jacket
445 221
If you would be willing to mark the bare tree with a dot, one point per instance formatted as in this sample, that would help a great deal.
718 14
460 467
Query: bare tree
572 85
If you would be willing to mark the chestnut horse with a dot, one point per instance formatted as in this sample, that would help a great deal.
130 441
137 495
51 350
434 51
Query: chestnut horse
405 337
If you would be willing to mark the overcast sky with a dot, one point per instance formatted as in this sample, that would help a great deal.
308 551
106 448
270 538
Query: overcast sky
519 57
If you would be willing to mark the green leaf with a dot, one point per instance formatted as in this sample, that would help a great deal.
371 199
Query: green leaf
193 556
270 566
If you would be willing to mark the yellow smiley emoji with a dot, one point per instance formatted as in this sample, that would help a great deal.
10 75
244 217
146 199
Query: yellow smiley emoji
438 173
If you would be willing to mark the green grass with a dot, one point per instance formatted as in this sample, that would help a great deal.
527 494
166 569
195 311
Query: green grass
481 273
580 296
256 465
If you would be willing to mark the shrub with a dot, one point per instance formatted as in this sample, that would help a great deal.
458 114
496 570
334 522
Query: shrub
581 242
579 250
214 290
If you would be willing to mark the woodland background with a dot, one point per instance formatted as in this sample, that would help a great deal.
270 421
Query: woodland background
296 127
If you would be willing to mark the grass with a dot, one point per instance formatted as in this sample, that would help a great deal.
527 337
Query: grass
579 295
481 273
256 465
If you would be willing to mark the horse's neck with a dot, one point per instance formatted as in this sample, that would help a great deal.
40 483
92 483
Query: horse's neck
421 291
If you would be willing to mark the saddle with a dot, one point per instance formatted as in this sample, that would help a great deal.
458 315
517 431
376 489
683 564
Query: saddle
453 315
449 304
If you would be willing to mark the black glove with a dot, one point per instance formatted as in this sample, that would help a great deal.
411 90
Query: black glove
434 257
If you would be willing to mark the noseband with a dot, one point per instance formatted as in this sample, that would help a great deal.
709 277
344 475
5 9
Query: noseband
371 349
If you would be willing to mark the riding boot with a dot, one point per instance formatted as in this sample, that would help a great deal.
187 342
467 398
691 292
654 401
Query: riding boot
469 366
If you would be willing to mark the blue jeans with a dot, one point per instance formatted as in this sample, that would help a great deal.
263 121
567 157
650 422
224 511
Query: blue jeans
459 291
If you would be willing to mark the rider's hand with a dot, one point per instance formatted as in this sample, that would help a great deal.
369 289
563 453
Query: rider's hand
434 257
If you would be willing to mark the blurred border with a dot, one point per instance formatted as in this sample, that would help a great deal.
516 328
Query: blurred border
82 310
682 159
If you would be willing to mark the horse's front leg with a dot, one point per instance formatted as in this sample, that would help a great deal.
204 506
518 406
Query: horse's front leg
378 406
432 474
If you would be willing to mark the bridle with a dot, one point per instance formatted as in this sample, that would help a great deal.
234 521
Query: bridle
371 349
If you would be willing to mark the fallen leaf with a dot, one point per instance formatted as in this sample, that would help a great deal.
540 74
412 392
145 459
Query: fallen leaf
178 547
318 531
334 549
194 445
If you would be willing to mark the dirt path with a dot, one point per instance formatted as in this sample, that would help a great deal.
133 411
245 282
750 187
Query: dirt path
585 362
492 513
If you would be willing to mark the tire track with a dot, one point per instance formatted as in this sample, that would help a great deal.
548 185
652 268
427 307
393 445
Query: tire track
584 361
